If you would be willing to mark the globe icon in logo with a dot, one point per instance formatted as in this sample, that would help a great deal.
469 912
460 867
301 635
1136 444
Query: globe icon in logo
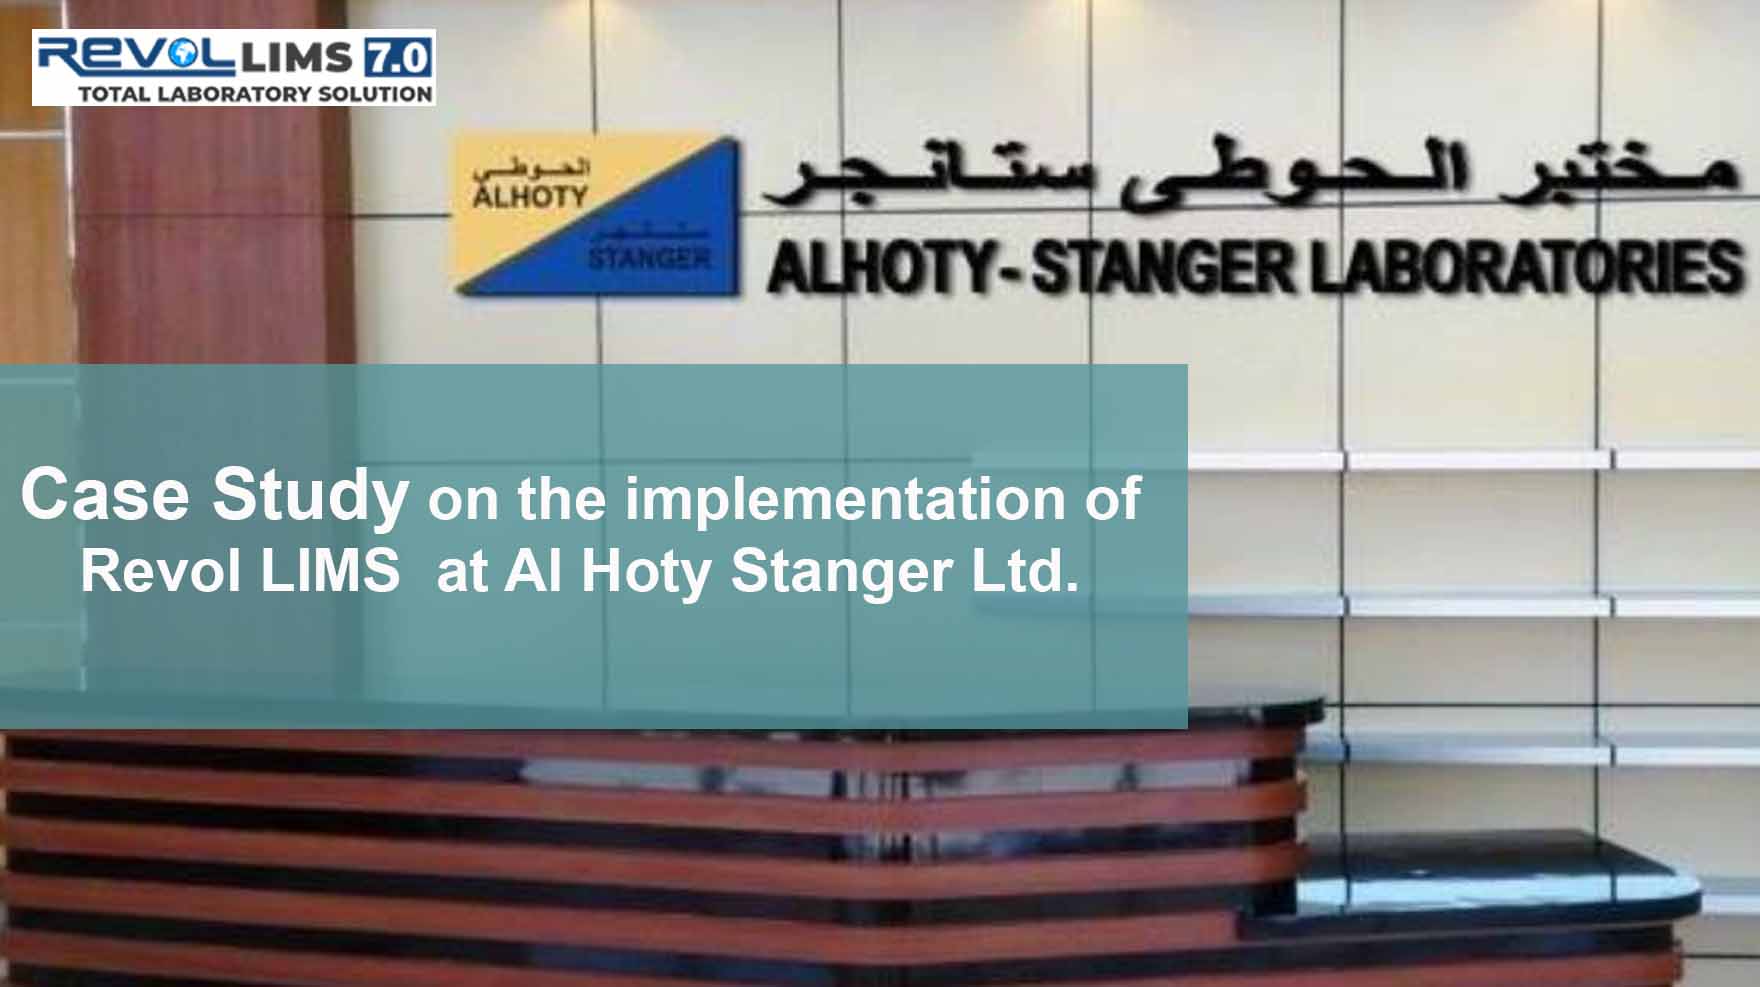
183 53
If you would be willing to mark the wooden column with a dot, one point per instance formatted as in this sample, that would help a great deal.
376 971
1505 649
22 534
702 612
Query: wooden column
212 235
36 311
215 236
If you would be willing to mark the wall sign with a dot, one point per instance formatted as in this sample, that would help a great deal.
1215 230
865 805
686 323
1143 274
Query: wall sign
595 214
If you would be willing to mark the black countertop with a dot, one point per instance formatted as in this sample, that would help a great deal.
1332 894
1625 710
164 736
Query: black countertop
1463 882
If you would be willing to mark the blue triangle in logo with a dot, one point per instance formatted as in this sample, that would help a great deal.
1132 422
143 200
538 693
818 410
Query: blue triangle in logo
675 234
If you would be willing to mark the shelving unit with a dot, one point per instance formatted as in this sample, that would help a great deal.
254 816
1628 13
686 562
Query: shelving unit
1395 460
1537 749
1522 604
1469 460
1478 460
1398 747
1516 605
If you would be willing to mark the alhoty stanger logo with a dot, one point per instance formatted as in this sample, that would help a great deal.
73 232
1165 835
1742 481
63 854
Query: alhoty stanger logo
595 214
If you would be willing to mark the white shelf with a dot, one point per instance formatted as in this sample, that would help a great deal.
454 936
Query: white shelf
1401 605
1324 746
1686 750
1541 749
1471 460
1266 605
1266 461
1635 749
1513 604
1397 460
1687 459
1731 896
1713 604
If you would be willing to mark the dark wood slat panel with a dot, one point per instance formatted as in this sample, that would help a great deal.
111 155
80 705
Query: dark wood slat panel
1041 751
36 291
320 970
693 871
289 969
750 938
766 813
17 21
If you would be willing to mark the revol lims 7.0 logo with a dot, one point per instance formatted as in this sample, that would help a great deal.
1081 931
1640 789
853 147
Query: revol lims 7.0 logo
595 214
233 68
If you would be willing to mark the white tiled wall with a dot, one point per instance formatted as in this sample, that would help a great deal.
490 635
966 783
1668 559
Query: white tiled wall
1416 532
1001 327
1256 534
978 70
1270 377
765 70
1515 79
1170 75
1140 86
523 65
1395 663
1457 372
1680 370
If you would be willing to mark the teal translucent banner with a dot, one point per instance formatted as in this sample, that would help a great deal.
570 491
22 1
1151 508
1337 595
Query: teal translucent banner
584 547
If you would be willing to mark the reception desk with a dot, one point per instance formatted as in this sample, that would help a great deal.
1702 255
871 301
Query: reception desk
475 859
